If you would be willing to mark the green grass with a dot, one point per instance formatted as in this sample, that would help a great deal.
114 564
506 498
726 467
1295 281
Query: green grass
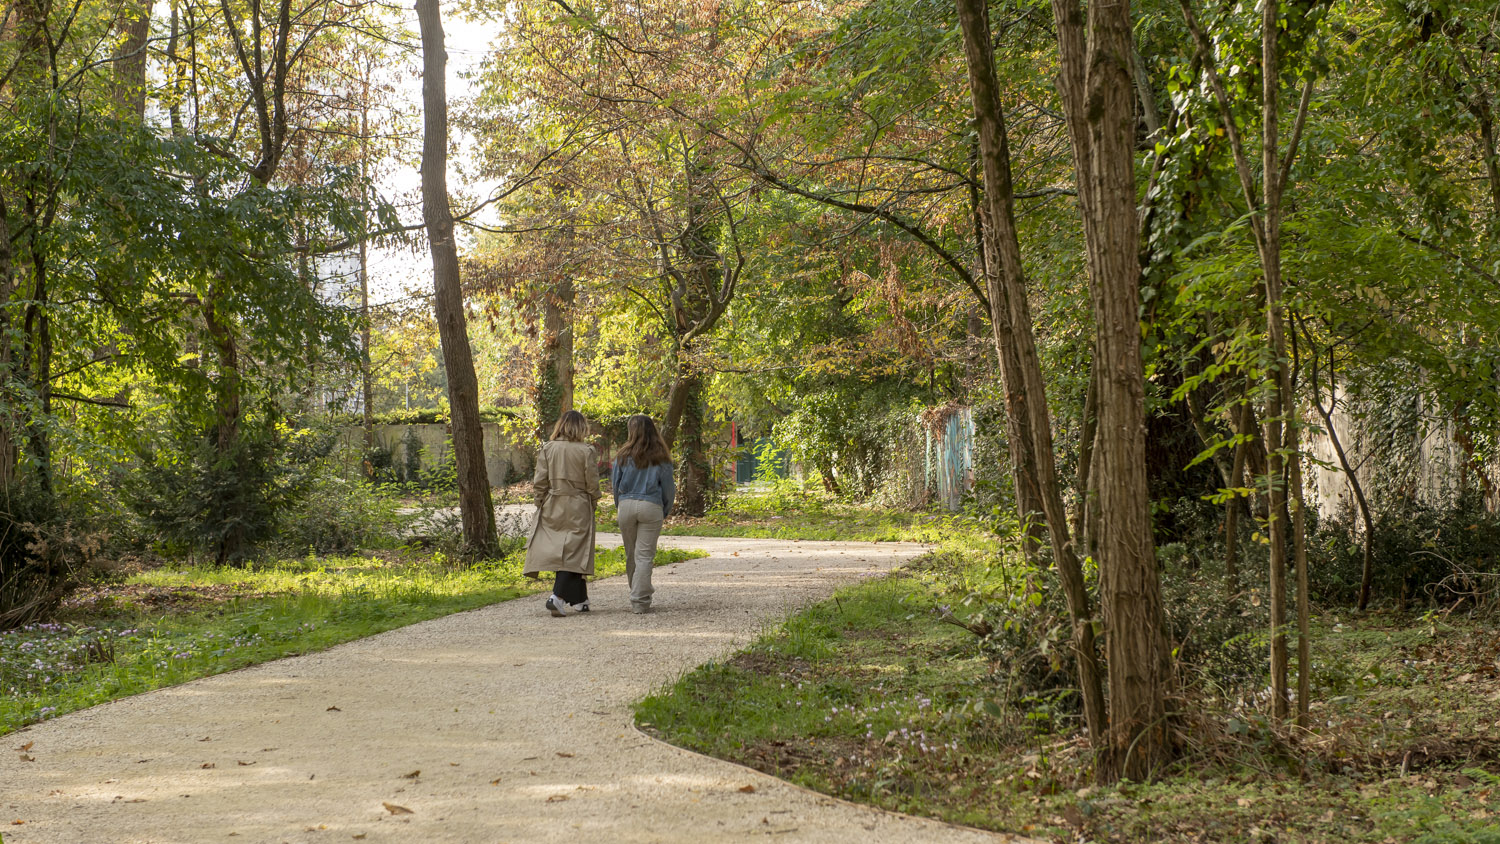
791 515
169 625
870 697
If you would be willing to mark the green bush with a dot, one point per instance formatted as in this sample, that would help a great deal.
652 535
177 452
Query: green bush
1422 554
43 556
340 515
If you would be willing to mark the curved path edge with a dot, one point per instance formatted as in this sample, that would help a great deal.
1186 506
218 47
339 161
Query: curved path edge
500 724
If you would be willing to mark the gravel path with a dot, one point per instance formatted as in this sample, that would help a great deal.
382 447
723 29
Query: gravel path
519 724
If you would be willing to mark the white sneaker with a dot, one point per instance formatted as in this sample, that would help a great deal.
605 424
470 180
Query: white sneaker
583 607
556 606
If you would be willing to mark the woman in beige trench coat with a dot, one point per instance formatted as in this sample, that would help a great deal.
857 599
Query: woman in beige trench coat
562 536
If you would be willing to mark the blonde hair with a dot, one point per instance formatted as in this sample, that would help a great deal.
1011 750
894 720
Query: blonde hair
571 426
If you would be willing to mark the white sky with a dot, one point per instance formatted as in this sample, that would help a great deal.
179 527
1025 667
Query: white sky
397 273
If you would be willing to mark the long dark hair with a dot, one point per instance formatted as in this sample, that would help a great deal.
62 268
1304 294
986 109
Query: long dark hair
643 443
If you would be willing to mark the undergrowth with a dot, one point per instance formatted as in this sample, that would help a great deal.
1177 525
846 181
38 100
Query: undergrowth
872 696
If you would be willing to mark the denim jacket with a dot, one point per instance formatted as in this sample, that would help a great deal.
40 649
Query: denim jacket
654 483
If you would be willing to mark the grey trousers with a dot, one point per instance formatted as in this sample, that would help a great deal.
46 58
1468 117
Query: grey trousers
640 528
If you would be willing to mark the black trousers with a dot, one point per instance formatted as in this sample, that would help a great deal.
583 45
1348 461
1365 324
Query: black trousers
571 587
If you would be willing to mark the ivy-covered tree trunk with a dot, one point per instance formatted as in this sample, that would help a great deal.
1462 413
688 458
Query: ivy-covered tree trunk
683 429
475 505
554 375
695 488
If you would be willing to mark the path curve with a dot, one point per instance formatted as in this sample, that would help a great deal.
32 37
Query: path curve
519 723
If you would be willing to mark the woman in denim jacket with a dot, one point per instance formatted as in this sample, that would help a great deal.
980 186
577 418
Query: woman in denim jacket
643 488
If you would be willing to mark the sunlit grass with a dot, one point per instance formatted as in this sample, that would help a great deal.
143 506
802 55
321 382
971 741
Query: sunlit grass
791 514
221 619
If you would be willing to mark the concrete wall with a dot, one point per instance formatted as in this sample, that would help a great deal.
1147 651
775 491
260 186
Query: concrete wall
429 444
1438 463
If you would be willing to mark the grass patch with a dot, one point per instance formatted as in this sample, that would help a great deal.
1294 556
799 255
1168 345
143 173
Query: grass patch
791 515
173 624
870 697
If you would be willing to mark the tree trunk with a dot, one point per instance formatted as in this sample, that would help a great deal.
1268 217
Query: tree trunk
554 377
1282 398
1028 499
684 424
1010 318
134 28
1095 82
1089 431
1367 568
476 509
1233 506
367 393
695 488
232 545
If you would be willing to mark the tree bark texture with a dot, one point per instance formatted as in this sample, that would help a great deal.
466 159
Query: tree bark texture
1025 391
1029 510
1095 80
366 390
1283 402
476 509
134 27
683 429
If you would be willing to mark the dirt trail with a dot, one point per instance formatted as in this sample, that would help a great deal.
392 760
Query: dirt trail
519 724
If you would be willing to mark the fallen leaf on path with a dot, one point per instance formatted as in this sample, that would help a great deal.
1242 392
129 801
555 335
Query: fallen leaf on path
25 747
564 754
27 757
748 789
206 738
360 837
246 764
207 765
557 798
333 709
495 781
413 775
17 822
397 810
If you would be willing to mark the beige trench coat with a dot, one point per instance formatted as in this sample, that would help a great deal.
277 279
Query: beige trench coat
567 488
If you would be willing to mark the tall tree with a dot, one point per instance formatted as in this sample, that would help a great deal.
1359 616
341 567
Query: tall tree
1095 79
1281 429
1030 422
475 505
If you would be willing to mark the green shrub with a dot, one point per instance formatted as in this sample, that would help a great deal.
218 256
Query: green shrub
43 556
1422 554
341 514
